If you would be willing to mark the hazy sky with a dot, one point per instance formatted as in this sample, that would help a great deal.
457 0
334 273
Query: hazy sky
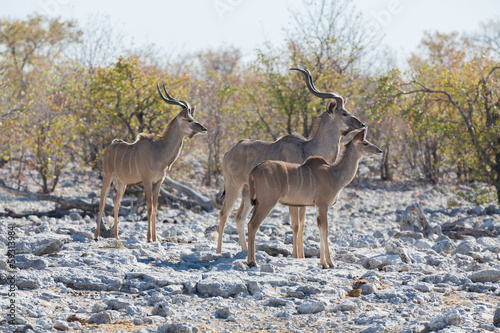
193 25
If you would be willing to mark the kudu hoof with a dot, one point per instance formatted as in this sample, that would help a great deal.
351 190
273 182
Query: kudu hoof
251 264
326 266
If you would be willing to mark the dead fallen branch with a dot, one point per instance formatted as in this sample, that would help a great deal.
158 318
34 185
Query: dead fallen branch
462 227
414 220
65 205
165 199
57 213
197 198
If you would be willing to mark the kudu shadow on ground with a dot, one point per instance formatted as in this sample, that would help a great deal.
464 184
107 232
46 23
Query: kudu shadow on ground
200 260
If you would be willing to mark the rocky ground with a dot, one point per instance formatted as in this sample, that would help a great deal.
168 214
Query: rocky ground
385 280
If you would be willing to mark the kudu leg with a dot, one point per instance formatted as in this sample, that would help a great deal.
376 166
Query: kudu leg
229 199
297 216
325 258
148 193
120 190
240 217
300 237
294 218
106 181
260 212
156 194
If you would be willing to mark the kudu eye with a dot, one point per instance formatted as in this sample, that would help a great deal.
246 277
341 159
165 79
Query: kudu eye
365 143
344 114
189 120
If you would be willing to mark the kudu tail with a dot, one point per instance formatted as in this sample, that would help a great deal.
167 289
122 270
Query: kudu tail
219 200
251 186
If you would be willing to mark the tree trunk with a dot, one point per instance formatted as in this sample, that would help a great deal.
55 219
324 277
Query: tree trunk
460 173
385 171
305 125
496 170
289 123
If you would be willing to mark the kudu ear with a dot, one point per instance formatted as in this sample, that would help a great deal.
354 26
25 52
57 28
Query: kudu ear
184 113
331 106
360 136
193 110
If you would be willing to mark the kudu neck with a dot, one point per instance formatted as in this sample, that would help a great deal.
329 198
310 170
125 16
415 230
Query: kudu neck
346 169
172 137
326 142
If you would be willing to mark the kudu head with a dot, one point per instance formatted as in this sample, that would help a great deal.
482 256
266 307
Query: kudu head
188 125
363 147
335 109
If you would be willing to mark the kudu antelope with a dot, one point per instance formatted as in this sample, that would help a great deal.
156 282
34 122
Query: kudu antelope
237 163
146 160
314 183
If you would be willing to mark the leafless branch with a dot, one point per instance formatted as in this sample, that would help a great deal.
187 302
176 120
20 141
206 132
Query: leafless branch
8 113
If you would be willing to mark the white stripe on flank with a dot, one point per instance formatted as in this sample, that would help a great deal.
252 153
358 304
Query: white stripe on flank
277 175
123 156
247 162
130 161
265 178
301 178
314 180
255 160
114 160
311 179
286 172
231 167
136 167
274 179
